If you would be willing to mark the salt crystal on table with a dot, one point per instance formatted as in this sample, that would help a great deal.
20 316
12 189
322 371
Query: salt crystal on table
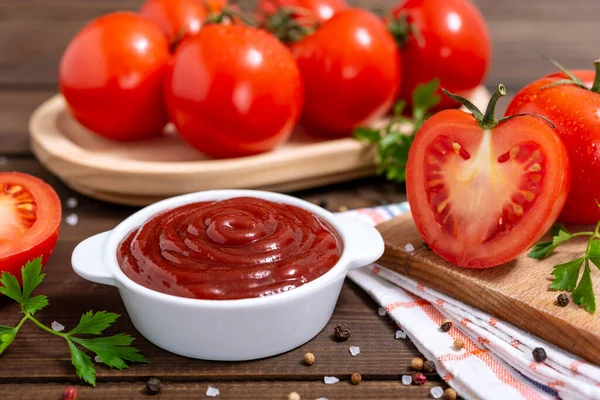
322 398
3 160
400 334
381 311
57 327
330 380
72 202
72 219
354 350
409 248
212 392
98 359
437 392
406 380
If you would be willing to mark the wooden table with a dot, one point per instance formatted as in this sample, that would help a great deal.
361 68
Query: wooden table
33 34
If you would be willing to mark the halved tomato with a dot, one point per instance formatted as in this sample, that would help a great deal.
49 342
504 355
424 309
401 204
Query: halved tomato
483 191
30 215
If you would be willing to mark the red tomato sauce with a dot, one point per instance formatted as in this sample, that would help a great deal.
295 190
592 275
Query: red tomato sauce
231 249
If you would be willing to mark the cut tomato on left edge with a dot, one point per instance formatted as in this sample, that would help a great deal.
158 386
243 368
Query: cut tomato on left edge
30 215
483 191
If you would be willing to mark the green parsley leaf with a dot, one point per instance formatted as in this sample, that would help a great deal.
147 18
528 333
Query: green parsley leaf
584 293
7 335
11 287
594 252
394 140
34 304
566 275
32 277
94 323
83 364
113 350
541 250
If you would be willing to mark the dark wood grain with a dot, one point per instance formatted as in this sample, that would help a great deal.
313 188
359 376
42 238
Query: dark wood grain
276 390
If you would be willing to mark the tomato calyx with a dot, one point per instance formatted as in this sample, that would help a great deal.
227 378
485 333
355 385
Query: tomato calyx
402 29
291 24
488 120
229 16
574 80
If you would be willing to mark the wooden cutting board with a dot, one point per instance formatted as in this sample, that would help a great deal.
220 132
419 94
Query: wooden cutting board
517 292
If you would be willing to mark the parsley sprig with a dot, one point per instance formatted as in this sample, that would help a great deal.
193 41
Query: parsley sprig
394 140
566 275
113 351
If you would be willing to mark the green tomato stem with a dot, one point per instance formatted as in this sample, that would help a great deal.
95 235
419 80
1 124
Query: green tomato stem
489 120
596 85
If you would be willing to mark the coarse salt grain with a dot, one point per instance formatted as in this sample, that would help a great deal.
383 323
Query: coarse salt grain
98 359
330 380
409 248
437 392
354 350
212 392
57 326
72 202
406 380
72 219
381 311
322 398
400 334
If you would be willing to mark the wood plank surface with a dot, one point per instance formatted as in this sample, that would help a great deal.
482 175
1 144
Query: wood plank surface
275 390
516 292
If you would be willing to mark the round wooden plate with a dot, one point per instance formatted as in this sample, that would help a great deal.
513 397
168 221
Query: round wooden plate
140 173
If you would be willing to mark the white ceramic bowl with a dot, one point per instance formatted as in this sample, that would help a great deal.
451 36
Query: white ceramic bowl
228 330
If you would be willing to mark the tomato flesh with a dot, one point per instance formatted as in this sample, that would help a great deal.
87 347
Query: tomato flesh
30 212
482 197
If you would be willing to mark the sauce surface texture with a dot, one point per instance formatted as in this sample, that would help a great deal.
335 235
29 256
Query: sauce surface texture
231 249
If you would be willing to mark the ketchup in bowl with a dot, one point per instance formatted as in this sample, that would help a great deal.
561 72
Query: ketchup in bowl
231 249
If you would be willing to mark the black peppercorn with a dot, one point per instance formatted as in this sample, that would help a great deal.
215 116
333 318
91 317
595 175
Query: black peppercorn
153 385
446 326
539 354
342 332
429 366
562 300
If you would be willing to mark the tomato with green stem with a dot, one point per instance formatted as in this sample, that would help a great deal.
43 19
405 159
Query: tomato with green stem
481 190
448 40
350 70
30 212
233 91
571 100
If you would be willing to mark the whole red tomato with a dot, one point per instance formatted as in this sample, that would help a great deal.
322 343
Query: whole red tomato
483 191
351 72
233 91
446 39
180 18
576 113
321 10
111 77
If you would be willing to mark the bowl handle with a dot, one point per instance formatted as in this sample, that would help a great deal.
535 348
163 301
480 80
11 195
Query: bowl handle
87 260
365 244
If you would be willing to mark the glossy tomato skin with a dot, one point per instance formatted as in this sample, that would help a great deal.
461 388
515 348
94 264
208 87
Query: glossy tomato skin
321 9
111 77
576 114
175 18
233 91
453 44
37 237
351 72
481 198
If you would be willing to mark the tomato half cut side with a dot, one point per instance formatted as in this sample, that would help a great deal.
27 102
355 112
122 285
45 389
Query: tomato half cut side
30 215
481 197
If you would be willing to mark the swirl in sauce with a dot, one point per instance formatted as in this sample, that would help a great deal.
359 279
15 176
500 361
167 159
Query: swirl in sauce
231 249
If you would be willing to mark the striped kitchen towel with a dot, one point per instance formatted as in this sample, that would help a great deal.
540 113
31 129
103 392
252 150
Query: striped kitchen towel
496 361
